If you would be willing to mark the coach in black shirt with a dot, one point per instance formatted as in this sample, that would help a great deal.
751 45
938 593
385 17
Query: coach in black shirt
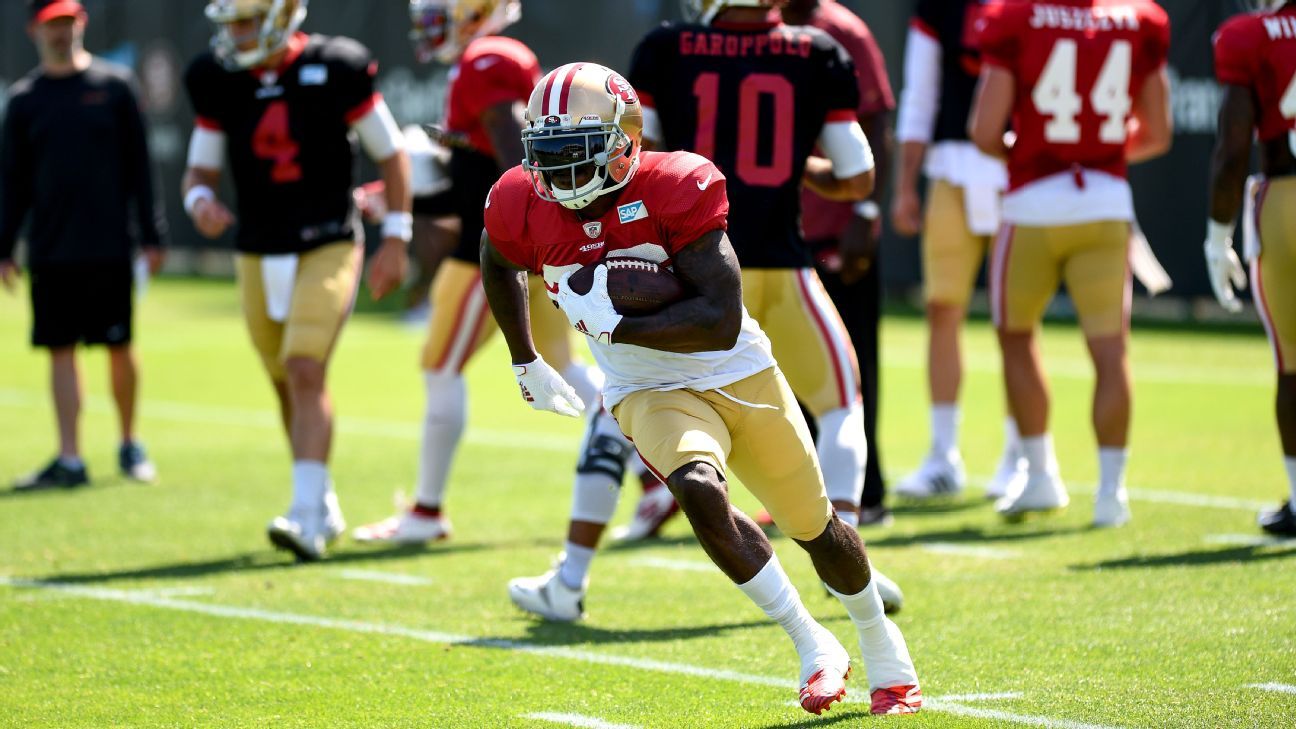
74 155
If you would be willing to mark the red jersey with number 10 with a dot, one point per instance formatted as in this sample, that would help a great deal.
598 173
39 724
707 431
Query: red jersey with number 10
1258 52
1078 65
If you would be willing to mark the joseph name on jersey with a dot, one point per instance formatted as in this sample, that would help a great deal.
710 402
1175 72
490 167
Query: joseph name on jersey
673 200
288 144
753 99
1078 66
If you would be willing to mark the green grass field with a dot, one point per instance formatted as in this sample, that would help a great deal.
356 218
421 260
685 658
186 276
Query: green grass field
127 605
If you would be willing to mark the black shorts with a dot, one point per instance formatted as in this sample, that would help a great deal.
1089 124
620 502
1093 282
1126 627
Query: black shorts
88 304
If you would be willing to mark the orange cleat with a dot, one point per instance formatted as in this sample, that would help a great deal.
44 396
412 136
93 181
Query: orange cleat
823 689
897 700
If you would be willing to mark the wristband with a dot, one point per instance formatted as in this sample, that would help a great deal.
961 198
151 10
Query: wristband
197 194
398 225
868 210
1219 235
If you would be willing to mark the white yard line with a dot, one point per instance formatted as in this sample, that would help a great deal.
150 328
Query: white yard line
1249 540
1152 496
1282 688
998 696
679 565
969 550
391 578
592 722
430 636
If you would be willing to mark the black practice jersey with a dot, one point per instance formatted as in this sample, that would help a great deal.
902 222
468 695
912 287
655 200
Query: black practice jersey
753 99
287 139
953 24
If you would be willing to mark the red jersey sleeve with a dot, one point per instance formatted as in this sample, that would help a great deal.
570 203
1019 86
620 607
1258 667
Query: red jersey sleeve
693 203
997 35
500 74
1156 38
505 218
1235 52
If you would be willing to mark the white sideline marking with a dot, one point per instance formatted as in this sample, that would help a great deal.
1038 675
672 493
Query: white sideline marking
969 550
1282 688
576 720
1249 540
682 565
391 578
430 636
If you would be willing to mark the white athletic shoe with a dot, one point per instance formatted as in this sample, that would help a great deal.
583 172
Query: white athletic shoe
655 508
547 596
302 531
939 475
825 666
334 522
1010 474
407 528
1039 492
1111 510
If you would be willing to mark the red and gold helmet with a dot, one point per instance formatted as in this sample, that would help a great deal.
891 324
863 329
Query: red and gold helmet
583 133
704 11
277 20
442 29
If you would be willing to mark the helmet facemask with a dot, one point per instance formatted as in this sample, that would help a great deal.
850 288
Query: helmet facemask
575 164
440 28
704 11
278 20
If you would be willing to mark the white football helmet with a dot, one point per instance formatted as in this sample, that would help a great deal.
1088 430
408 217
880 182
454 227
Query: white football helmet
704 11
442 29
280 19
583 133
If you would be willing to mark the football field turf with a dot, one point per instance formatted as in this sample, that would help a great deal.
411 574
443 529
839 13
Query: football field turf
128 605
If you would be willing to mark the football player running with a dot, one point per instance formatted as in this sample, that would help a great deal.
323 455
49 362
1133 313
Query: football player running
490 79
1085 85
941 66
281 105
694 386
1255 61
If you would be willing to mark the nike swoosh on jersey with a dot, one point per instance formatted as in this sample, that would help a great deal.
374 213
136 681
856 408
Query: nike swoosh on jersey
705 183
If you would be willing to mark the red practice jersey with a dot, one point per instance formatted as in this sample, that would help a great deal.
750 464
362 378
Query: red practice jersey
1258 52
673 200
1078 65
492 70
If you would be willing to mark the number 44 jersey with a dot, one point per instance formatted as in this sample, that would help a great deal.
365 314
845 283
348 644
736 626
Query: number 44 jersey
287 141
752 98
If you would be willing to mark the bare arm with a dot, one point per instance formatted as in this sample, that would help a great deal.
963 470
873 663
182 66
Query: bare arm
819 178
906 209
210 216
991 111
1232 155
708 321
506 292
504 127
1152 132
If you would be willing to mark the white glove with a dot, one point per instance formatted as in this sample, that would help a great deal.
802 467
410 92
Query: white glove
546 390
592 314
1222 264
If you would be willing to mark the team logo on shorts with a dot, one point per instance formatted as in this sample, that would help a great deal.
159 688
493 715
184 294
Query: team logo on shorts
594 229
631 212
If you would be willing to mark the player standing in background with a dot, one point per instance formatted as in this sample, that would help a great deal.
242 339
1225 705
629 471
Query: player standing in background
491 78
281 105
1084 83
694 386
941 68
75 155
1255 61
844 235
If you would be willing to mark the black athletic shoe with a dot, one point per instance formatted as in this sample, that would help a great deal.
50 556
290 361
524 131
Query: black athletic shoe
55 475
135 464
1280 522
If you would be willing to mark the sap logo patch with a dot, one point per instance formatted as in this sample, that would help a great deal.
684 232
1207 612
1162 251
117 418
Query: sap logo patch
315 74
631 212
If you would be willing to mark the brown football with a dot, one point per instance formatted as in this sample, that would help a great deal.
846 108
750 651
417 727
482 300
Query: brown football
637 286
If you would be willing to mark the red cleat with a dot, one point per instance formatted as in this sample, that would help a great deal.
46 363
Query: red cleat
897 700
823 689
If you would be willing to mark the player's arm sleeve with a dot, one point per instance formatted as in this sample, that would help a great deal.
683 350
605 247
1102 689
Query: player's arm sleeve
15 179
362 106
920 98
1233 63
844 143
1156 46
996 37
149 211
645 66
503 226
700 209
875 92
840 84
207 143
494 79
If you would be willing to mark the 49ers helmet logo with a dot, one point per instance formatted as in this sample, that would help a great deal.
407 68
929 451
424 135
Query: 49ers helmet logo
619 86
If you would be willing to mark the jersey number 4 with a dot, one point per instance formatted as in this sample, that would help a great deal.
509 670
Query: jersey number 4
750 170
1055 94
273 141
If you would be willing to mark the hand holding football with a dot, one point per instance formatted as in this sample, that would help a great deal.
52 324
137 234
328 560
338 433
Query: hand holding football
636 286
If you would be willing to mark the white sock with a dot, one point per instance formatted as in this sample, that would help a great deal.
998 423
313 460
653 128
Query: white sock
575 565
773 592
849 518
443 425
843 452
1012 439
1111 470
310 484
1290 462
587 380
944 427
72 462
594 498
886 657
1038 451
